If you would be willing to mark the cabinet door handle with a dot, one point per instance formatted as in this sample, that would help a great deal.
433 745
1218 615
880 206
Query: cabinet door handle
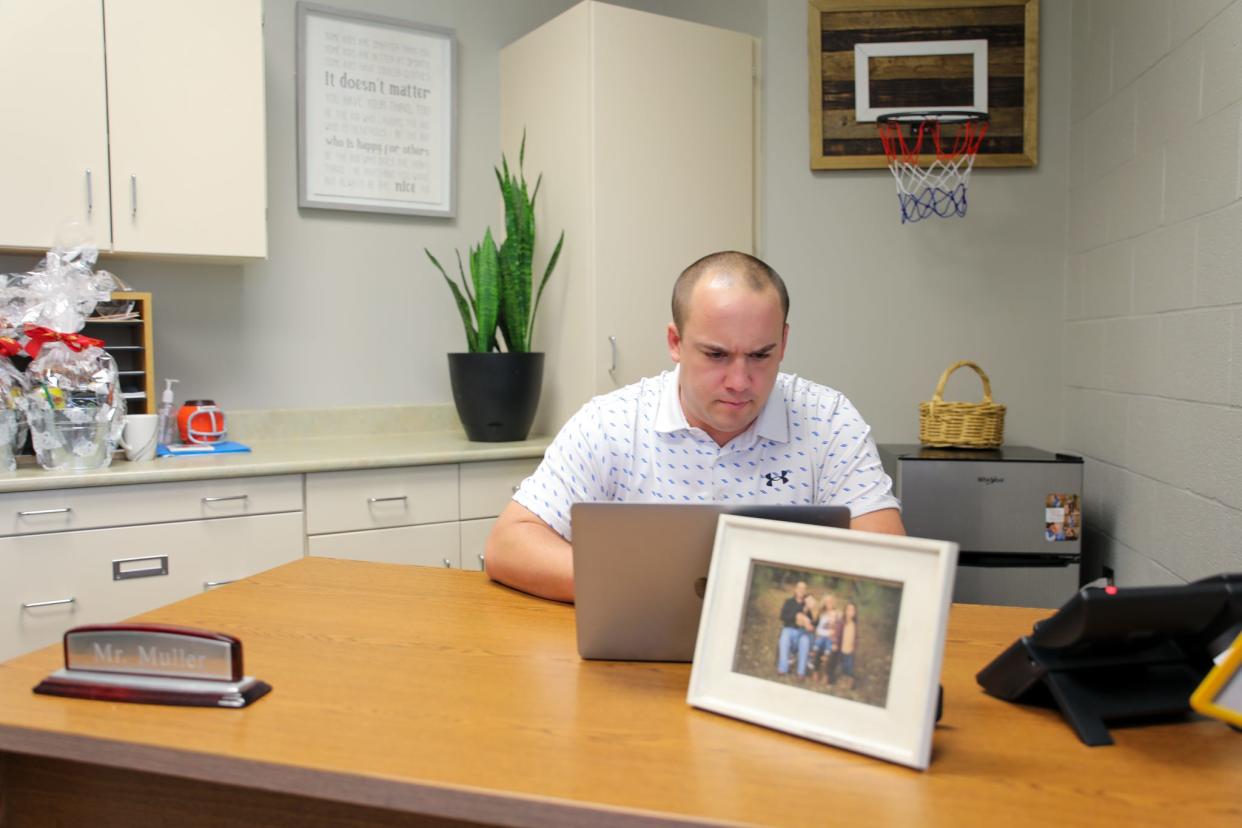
133 195
481 561
31 513
55 603
228 497
516 487
214 584
125 568
90 195
387 499
612 369
448 564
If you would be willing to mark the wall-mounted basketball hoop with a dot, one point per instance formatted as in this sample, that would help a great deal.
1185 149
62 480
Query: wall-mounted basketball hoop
931 155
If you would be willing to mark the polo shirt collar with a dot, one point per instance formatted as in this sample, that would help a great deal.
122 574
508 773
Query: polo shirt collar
771 424
773 421
669 417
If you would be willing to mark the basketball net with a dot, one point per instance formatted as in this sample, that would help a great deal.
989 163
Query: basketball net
938 187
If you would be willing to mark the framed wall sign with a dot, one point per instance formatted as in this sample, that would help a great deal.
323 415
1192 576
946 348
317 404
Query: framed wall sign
825 633
867 59
376 114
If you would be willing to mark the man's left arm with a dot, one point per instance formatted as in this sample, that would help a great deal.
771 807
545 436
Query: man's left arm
885 521
851 475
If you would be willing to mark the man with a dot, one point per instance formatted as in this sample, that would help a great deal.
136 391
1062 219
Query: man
794 632
711 430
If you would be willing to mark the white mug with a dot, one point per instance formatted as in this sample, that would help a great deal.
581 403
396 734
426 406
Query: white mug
139 437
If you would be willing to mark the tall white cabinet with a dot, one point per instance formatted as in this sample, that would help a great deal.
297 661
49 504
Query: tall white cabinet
142 119
643 127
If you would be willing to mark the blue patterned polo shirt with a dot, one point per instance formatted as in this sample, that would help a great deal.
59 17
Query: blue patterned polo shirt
807 446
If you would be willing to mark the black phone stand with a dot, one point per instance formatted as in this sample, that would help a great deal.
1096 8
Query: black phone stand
1156 682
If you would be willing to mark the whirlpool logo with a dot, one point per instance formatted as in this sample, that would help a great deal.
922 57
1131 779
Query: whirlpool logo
988 481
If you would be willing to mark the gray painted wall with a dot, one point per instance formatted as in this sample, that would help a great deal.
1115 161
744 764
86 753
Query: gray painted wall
1153 292
346 311
879 310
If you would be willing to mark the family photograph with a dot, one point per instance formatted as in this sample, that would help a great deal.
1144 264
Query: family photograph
820 631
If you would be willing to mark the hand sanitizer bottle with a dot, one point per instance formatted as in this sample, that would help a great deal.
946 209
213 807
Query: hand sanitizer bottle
166 425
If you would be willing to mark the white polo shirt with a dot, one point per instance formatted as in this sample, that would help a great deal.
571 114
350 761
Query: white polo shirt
807 446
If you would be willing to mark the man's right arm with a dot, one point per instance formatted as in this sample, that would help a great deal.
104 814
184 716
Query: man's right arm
525 553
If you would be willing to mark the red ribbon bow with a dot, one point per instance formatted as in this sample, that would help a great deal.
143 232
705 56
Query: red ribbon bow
9 347
40 335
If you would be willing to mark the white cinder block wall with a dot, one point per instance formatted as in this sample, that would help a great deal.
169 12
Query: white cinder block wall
1152 351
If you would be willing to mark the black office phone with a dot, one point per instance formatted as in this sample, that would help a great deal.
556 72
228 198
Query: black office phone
1120 653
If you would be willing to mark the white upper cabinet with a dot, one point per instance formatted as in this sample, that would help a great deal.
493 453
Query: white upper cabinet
175 143
186 127
54 141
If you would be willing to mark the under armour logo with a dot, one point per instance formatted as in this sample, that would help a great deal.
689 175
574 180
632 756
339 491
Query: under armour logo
782 476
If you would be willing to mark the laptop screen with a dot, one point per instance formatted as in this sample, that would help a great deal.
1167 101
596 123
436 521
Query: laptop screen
640 572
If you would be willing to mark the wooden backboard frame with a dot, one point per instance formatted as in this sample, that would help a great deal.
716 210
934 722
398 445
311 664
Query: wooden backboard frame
1028 156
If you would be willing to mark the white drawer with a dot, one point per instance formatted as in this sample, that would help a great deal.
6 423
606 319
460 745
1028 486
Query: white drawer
54 510
166 562
487 488
38 569
474 541
432 544
268 541
376 498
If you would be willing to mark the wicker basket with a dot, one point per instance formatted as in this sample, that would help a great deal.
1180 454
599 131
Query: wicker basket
962 424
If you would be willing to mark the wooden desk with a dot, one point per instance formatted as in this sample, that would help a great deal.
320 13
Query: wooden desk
404 690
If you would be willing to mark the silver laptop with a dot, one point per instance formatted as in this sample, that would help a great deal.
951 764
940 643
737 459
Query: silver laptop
640 572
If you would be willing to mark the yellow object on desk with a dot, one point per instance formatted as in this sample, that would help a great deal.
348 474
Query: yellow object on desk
1220 693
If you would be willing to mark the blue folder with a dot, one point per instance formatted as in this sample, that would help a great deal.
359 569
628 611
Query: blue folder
197 449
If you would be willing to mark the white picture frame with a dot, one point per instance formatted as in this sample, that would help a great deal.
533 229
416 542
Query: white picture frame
893 722
864 52
376 113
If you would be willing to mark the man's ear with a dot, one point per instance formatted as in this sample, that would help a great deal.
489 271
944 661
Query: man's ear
784 341
674 342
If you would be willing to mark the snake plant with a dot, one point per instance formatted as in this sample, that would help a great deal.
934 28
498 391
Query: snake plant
480 308
502 276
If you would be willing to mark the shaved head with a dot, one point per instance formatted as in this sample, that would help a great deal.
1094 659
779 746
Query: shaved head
727 265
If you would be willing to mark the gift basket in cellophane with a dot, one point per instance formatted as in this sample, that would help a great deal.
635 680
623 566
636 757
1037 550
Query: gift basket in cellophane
69 396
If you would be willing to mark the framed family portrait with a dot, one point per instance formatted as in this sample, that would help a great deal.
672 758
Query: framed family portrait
825 633
376 113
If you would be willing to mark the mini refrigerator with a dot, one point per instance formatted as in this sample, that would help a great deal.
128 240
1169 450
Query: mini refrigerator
1015 512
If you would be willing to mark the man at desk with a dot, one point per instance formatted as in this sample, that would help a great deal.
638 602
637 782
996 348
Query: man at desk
710 430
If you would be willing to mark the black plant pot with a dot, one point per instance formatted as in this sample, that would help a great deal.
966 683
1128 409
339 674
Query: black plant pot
496 394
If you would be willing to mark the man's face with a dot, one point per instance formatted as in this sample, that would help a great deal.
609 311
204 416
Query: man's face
730 350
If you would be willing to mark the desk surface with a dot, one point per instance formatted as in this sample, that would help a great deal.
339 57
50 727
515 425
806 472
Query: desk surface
438 692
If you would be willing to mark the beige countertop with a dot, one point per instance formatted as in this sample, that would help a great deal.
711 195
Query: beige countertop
287 456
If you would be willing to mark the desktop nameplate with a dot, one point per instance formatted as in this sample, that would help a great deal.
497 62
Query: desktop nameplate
153 664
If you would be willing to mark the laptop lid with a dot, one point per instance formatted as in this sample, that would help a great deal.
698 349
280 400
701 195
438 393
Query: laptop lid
640 572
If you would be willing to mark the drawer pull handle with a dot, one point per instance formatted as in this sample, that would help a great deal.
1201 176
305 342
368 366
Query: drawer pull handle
125 568
447 564
214 584
62 511
482 563
387 499
55 603
229 497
